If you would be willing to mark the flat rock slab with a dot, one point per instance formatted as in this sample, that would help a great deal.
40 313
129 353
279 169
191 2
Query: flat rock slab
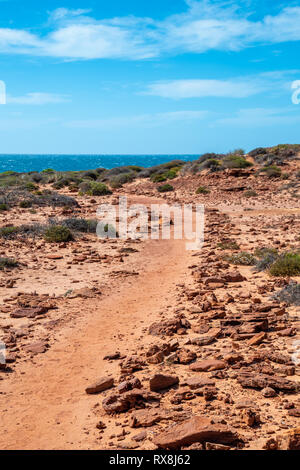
28 312
36 348
261 381
196 429
104 383
207 365
161 382
199 382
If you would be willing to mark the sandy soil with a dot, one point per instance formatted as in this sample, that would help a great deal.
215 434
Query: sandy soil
104 301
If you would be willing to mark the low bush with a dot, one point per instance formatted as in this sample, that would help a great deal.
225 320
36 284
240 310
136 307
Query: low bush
250 193
25 204
8 232
289 294
202 190
211 163
264 251
97 189
228 245
165 188
118 181
235 161
48 171
287 264
4 207
272 171
241 259
267 256
57 234
8 263
80 225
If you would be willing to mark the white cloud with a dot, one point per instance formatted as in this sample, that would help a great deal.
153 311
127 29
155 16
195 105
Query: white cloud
37 99
206 25
177 89
149 120
239 87
261 117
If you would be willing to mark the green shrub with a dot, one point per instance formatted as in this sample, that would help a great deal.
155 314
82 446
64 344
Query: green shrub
267 256
235 161
211 163
7 263
4 207
290 294
202 190
9 181
57 234
241 259
98 189
272 171
48 171
250 193
7 232
287 264
25 204
159 178
264 251
118 181
80 225
30 186
165 188
228 245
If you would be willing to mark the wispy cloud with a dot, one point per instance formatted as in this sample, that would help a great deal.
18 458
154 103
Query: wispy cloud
148 120
261 117
37 99
204 88
239 87
206 25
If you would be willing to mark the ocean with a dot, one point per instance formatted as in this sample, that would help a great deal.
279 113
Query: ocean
26 163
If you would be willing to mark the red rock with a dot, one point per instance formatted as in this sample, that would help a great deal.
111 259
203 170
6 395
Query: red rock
268 392
129 385
288 332
112 356
54 256
149 417
257 339
208 365
140 437
100 386
116 403
28 312
196 429
261 381
36 348
295 412
161 382
234 276
185 356
195 383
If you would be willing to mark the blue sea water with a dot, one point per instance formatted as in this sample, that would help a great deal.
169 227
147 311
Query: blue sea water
25 163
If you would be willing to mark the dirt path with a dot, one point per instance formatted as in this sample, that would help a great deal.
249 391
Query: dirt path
43 405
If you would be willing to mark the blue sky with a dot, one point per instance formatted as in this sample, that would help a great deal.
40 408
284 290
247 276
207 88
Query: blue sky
134 76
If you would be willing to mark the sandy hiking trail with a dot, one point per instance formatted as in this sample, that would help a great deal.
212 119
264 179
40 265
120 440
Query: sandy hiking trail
44 404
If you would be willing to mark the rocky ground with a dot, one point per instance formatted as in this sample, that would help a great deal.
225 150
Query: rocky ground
144 345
